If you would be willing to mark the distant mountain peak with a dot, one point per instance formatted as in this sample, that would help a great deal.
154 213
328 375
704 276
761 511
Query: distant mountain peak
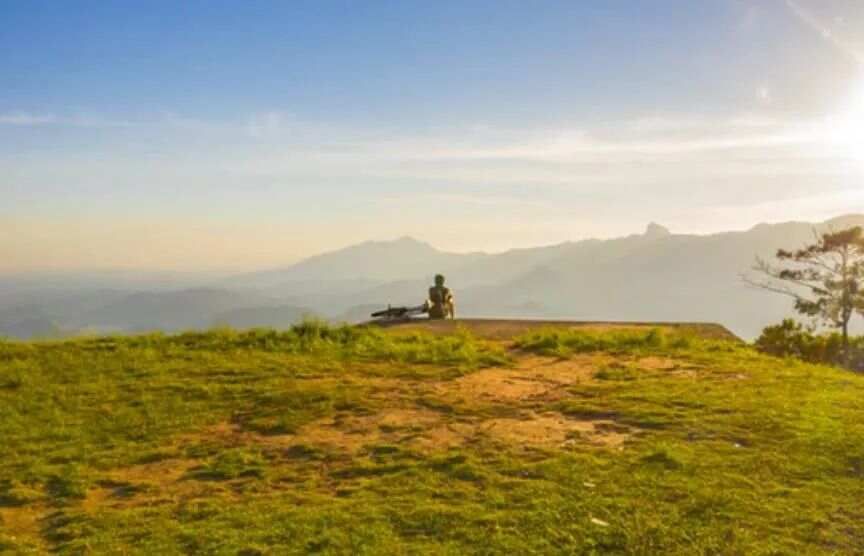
408 240
655 230
404 241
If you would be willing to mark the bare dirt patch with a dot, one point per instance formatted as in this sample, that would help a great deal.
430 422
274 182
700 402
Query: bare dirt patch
157 474
233 435
23 522
431 434
401 419
562 372
555 429
351 433
445 436
499 385
150 483
533 378
654 363
531 382
670 367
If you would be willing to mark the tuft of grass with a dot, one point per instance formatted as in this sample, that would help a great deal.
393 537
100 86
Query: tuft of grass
558 342
615 372
662 458
304 451
14 493
67 485
313 337
231 464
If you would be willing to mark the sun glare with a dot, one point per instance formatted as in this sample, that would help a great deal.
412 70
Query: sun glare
846 130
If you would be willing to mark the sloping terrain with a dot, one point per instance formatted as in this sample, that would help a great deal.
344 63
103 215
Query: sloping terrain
645 440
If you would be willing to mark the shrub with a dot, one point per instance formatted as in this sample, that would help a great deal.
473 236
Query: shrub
792 339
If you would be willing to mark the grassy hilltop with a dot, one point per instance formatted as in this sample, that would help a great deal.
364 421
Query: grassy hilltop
367 441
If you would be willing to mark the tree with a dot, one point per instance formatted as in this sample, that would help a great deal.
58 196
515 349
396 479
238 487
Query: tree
824 278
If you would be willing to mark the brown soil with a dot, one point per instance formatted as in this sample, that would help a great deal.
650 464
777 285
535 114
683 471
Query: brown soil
554 429
158 473
657 364
671 367
160 482
496 385
532 379
438 433
23 522
350 433
470 413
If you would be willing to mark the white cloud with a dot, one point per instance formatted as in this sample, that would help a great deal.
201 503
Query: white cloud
97 121
26 119
697 172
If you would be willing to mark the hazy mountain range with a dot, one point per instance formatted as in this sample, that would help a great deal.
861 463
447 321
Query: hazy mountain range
653 276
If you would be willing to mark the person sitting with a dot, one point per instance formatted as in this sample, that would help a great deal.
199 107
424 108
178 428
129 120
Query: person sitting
441 303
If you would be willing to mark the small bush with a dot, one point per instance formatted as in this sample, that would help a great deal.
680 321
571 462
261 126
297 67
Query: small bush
792 339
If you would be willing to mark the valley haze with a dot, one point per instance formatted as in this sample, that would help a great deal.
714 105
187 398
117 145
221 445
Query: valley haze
658 275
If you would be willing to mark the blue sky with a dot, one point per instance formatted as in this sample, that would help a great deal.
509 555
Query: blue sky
202 135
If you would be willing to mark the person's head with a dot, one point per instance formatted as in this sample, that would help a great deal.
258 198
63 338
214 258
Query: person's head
439 280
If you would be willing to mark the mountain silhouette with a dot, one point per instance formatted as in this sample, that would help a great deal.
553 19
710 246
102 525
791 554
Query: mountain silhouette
655 275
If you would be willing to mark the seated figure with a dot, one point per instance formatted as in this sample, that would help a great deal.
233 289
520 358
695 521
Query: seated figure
441 303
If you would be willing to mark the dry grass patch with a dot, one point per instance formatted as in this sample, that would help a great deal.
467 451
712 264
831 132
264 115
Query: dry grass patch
555 430
417 416
533 378
24 522
654 363
352 433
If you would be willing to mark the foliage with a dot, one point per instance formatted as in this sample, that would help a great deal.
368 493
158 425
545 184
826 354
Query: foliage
792 339
824 278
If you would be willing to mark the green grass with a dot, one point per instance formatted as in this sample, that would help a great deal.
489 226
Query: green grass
195 443
564 342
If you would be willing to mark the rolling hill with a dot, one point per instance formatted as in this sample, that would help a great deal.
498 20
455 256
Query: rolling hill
601 439
172 310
